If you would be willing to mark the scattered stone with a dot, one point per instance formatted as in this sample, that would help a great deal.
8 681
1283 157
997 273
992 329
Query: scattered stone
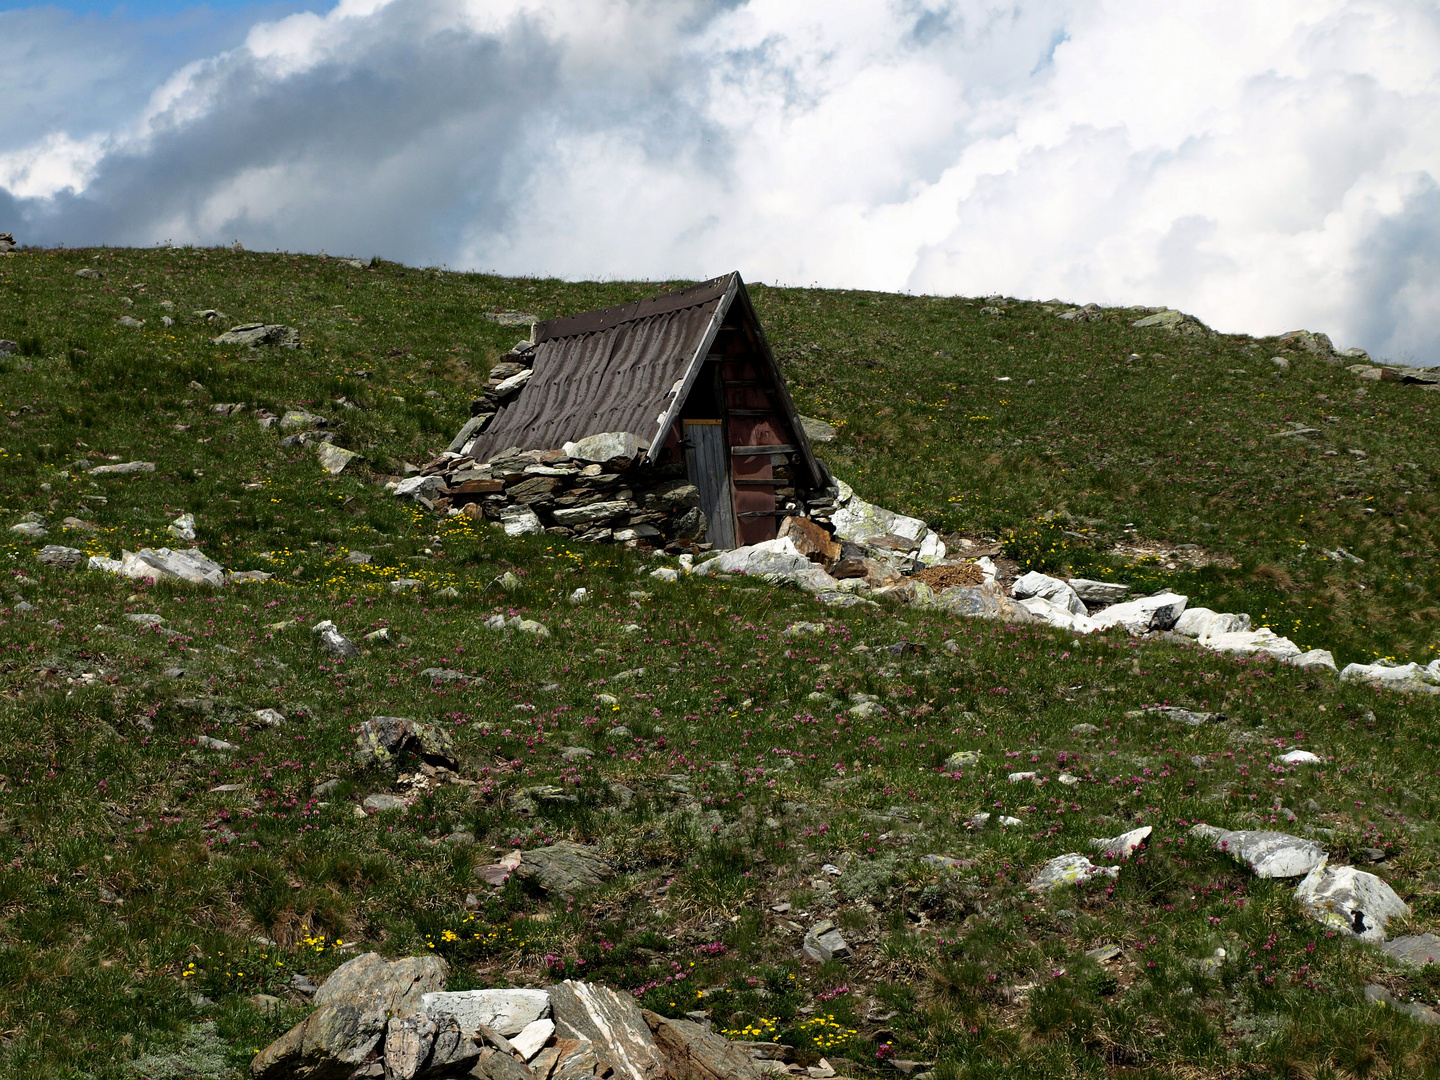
162 564
183 527
210 743
257 334
614 449
515 622
1190 717
420 487
1269 854
1353 901
1315 660
1416 949
1122 846
691 1050
1048 588
1300 757
334 642
333 459
610 1022
1103 954
1248 643
1098 592
1201 623
564 868
130 322
123 469
241 577
400 585
823 942
358 558
380 803
1083 729
533 1038
383 738
1145 615
33 529
962 759
774 560
1069 869
89 272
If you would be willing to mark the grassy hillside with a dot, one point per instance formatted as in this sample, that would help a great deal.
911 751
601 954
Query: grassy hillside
138 867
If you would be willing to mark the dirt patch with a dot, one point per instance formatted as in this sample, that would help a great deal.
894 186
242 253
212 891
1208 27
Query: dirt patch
1169 556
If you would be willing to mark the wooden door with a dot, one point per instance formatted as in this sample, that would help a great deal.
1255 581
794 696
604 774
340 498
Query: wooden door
707 459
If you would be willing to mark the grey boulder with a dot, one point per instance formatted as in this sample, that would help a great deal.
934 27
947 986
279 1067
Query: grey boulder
824 942
613 1023
507 1012
611 447
565 868
67 558
256 334
1416 949
1349 900
1099 592
1142 616
1269 854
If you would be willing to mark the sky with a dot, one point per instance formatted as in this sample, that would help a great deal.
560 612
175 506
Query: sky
1264 166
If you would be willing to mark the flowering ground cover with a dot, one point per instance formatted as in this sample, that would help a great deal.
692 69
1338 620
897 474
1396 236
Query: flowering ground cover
152 886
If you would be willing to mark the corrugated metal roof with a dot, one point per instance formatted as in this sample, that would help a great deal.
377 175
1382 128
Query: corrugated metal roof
608 370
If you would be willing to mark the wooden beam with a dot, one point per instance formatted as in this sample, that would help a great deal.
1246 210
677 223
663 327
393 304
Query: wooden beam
752 451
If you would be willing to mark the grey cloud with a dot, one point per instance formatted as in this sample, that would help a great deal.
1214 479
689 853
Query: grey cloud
1395 309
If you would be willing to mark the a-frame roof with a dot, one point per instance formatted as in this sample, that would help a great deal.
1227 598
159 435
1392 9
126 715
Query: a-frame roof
627 368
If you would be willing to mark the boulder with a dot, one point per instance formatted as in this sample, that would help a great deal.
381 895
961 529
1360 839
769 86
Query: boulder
856 520
1053 613
333 1043
1070 869
599 511
67 558
1122 846
1350 900
162 564
1264 642
694 1052
472 427
421 487
257 334
564 869
817 430
1268 854
513 385
397 987
1142 616
1385 673
334 642
1048 588
1315 659
382 738
506 1012
613 1024
1099 592
824 942
427 1045
987 601
123 469
33 529
333 459
777 559
1416 949
520 521
810 539
1202 623
616 449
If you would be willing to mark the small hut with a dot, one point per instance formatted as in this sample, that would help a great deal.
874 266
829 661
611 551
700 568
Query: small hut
680 387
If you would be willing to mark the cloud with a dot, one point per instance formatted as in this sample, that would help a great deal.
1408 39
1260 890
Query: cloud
1263 166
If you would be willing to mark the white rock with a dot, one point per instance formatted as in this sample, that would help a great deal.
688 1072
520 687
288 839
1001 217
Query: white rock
214 744
1071 869
1350 900
1158 612
508 1012
514 384
162 564
1021 777
773 559
932 549
183 527
580 595
1009 822
520 521
583 515
1122 846
1315 659
333 459
533 1038
1048 588
665 573
1099 592
1059 616
1301 757
1202 623
605 447
270 717
1269 854
30 528
1250 642
102 562
416 487
988 568
1384 673
123 469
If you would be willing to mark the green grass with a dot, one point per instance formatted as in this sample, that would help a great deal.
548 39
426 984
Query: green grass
132 894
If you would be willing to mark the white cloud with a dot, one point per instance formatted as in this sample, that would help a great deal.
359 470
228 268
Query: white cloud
1264 166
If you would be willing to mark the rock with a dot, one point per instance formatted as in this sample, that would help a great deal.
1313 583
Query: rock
334 642
145 618
67 558
1070 869
1122 846
611 1022
497 1065
89 272
1143 616
692 1051
776 559
616 449
1354 901
1300 757
817 430
269 717
183 527
962 759
520 521
510 318
397 987
1098 592
1269 854
513 385
242 576
1384 673
1314 660
123 469
1189 716
803 629
507 1012
1202 623
256 334
1281 364
1083 729
1055 614
1048 588
1251 642
823 942
666 574
426 1045
383 738
332 1043
214 744
333 459
301 420
866 710
420 487
400 585
381 803
79 523
533 1038
987 601
358 558
130 322
810 539
856 520
1176 322
32 529
564 868
514 622
1416 949
1021 777
582 515
472 427
162 564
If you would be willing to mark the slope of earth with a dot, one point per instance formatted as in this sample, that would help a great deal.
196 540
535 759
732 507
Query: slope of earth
167 856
